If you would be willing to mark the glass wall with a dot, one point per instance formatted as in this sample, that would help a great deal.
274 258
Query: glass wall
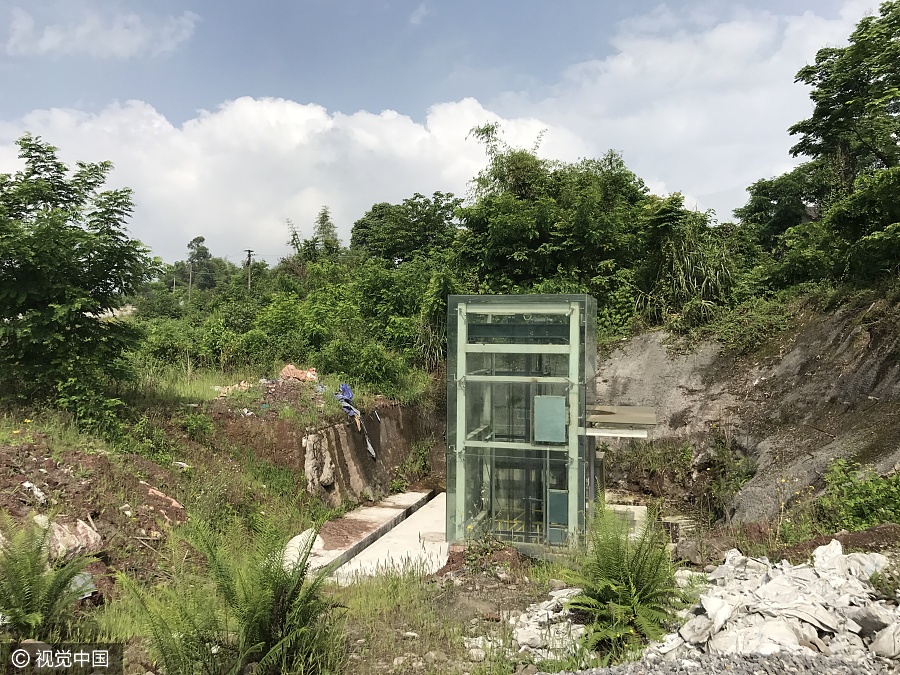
518 377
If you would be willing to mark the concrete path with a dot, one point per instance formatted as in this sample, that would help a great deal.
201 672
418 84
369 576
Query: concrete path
419 542
341 539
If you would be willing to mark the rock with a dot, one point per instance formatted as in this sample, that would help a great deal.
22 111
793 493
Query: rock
39 495
527 669
871 619
557 585
435 657
67 540
701 551
399 661
476 655
411 635
529 637
697 630
564 593
296 547
887 642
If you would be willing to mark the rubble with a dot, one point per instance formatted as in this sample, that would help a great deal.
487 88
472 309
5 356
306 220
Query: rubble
756 607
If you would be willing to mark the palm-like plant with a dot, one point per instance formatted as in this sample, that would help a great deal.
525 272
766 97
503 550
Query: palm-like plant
250 610
629 589
37 598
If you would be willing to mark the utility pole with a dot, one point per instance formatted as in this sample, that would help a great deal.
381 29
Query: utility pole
249 261
190 280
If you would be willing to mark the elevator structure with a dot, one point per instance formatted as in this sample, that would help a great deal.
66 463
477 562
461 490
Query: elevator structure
520 463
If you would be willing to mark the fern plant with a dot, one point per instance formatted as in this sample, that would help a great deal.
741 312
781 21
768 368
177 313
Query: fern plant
37 598
628 584
249 609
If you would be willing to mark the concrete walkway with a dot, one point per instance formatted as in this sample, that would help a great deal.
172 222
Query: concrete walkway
419 542
339 540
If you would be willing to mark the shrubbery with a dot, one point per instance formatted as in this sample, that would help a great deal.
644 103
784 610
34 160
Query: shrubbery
629 589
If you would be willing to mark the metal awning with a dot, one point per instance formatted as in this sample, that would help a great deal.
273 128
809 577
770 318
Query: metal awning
620 421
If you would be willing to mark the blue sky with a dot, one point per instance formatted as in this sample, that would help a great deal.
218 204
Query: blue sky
227 117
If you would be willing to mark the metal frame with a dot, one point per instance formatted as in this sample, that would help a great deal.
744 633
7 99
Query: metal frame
568 308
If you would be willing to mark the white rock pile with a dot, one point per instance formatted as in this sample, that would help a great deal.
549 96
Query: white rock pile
755 607
545 630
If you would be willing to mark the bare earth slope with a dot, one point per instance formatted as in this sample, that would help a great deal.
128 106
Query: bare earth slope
828 388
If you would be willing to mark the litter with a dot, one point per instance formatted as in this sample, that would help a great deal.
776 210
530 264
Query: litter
291 373
345 396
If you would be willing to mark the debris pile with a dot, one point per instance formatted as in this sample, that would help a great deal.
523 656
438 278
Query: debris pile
756 607
545 629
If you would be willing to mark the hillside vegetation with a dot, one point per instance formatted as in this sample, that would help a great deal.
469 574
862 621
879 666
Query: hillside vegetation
117 409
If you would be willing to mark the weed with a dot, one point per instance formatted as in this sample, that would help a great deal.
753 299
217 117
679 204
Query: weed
415 467
857 498
150 441
887 583
480 549
197 426
250 609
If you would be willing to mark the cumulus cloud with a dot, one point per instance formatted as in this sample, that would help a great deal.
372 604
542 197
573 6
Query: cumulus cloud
235 174
120 36
698 102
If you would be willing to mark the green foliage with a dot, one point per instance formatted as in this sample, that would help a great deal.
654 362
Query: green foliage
886 583
361 360
249 610
419 227
37 598
150 441
687 274
198 426
747 326
415 467
856 498
728 470
479 550
68 262
629 590
856 92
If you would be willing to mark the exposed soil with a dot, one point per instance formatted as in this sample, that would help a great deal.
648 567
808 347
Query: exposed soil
884 537
78 485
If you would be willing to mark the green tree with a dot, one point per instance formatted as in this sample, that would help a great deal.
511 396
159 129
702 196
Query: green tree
856 91
420 226
325 233
66 262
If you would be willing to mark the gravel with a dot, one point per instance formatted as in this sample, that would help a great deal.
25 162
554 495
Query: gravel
753 664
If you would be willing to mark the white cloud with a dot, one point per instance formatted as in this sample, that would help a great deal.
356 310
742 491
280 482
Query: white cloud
697 102
121 36
419 14
235 174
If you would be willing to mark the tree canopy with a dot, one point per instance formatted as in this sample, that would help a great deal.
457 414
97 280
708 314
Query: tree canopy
66 263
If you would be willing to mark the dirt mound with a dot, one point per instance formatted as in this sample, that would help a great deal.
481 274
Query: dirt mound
879 538
132 515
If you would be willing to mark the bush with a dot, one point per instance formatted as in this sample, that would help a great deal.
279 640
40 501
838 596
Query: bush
629 589
362 361
37 599
249 610
857 499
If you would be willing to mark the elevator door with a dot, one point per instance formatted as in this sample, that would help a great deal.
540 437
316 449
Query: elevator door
519 500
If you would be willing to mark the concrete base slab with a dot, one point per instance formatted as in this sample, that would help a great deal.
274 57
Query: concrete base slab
418 543
347 536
